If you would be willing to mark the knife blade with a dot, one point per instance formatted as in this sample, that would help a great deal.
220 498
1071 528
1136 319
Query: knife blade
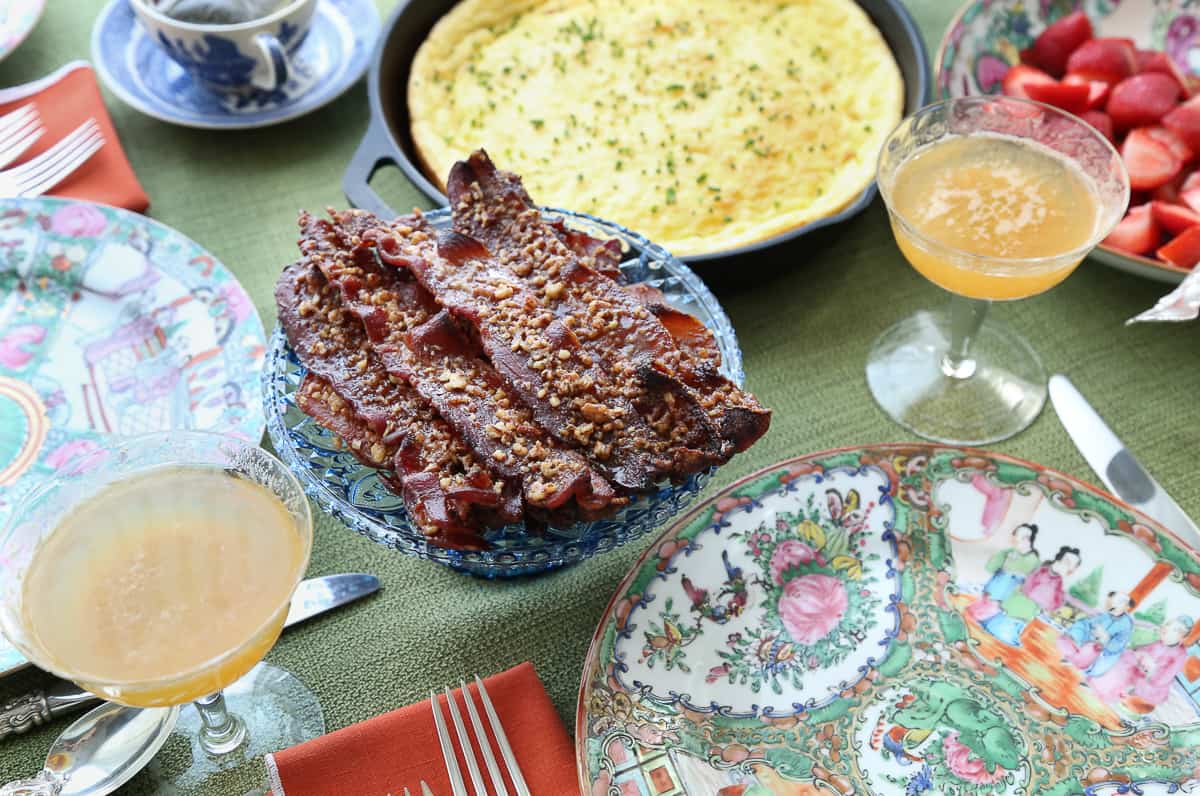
312 597
1111 460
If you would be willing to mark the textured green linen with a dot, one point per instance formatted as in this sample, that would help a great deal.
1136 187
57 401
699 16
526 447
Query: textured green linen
805 314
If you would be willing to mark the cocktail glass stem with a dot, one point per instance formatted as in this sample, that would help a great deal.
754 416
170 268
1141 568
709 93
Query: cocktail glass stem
966 316
220 732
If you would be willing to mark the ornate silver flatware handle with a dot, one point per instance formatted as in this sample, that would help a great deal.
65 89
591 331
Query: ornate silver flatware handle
21 714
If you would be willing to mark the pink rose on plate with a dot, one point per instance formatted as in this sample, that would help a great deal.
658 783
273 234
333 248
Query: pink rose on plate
789 553
15 345
237 302
78 221
812 606
965 766
76 457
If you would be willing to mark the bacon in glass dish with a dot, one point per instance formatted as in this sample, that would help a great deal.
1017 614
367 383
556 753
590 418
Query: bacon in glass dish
382 420
416 341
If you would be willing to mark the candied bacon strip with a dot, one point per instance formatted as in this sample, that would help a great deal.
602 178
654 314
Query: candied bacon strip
416 342
493 206
536 353
603 256
693 338
421 491
603 315
684 440
384 422
317 399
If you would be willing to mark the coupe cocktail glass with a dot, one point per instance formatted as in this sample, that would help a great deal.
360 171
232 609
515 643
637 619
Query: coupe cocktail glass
992 199
225 554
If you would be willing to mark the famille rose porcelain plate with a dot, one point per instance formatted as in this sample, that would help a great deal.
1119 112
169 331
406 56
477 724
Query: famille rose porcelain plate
112 324
905 619
986 37
17 20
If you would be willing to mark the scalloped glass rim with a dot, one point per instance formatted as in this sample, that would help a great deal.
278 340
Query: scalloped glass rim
353 493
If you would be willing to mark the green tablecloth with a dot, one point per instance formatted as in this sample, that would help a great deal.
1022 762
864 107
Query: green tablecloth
805 314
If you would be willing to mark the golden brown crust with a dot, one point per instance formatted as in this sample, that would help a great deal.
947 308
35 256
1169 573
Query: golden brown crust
704 125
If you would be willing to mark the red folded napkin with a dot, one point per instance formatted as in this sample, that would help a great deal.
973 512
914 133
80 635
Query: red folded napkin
397 750
65 100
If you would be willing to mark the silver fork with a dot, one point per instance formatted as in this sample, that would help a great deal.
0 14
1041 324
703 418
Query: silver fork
468 747
48 169
19 129
425 791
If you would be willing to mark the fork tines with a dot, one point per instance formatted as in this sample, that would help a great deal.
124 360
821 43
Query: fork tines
19 130
479 746
51 167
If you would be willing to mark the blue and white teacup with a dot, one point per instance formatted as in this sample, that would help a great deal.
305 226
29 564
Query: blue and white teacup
247 56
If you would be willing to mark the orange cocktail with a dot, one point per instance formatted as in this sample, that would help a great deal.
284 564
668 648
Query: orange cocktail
990 198
1006 201
116 592
160 572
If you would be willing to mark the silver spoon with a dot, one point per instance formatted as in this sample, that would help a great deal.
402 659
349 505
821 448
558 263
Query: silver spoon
99 753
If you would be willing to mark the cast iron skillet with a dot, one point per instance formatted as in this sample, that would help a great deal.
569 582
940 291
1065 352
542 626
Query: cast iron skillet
388 140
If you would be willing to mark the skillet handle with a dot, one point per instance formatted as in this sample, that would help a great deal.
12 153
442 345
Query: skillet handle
373 151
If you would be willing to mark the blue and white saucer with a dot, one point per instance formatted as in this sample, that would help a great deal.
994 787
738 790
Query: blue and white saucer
335 54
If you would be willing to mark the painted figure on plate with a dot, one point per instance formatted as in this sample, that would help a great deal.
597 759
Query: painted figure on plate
1009 568
1087 636
1040 593
1094 644
1141 678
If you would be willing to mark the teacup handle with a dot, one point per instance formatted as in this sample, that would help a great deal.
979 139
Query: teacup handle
277 61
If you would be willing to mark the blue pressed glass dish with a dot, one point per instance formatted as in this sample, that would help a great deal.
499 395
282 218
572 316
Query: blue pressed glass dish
354 493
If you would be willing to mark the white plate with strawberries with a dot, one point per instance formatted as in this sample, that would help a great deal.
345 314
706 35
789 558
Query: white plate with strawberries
1126 66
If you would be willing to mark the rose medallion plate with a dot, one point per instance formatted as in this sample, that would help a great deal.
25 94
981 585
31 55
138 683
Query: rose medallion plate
904 619
112 324
17 20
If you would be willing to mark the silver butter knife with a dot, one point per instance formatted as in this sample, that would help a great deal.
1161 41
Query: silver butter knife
313 597
1113 462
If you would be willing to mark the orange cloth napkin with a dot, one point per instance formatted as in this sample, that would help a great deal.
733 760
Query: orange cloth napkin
64 101
397 750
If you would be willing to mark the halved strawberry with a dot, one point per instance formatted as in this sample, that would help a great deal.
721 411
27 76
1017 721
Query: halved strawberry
1099 120
1142 100
1020 77
1072 98
1149 162
1167 192
1172 142
1161 63
1055 44
1098 90
1174 218
1110 60
1184 121
1137 233
1191 198
1190 182
1183 251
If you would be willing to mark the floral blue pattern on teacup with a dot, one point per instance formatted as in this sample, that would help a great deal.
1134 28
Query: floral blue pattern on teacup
217 61
253 56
